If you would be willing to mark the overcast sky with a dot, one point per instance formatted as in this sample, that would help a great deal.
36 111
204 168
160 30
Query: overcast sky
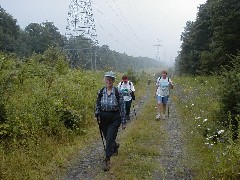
130 26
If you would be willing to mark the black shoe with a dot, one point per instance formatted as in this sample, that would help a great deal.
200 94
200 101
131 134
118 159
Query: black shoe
106 164
115 153
128 118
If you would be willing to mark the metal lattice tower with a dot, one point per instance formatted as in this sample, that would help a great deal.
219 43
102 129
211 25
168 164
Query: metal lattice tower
80 20
81 28
158 49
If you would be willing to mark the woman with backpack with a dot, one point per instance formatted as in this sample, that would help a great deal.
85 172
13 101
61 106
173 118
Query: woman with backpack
127 89
110 114
163 86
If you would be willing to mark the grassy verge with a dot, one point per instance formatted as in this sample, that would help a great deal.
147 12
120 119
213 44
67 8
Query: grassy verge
211 153
140 147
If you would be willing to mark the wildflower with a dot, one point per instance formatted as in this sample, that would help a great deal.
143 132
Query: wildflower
204 120
197 117
199 125
192 104
221 131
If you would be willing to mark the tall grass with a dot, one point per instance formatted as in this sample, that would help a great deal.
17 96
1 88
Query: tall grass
211 152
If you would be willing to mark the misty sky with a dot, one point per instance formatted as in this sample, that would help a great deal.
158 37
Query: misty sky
130 26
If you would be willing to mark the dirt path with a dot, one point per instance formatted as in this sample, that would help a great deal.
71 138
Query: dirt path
173 157
88 164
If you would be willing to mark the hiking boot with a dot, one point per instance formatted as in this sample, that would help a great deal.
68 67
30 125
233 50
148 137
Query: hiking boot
106 165
128 118
115 153
158 116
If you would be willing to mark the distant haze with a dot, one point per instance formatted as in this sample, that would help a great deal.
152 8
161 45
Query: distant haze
139 23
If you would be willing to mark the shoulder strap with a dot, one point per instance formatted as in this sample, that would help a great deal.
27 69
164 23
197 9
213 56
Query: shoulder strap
100 95
117 94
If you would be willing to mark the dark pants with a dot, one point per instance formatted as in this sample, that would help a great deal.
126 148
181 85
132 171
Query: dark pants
128 106
110 122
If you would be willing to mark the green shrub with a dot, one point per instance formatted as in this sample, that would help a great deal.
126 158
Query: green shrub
230 96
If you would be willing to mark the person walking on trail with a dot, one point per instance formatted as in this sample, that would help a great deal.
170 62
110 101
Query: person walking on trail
110 114
126 87
163 86
149 81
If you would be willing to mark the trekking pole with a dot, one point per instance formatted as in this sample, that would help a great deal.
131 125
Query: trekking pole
101 133
168 101
134 112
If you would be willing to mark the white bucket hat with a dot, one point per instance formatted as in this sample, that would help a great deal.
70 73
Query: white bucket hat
110 74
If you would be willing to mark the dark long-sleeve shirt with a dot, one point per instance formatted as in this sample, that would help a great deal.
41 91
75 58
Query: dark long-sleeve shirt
110 103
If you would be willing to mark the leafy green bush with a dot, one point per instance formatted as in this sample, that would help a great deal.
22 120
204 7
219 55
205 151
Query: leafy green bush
43 95
230 96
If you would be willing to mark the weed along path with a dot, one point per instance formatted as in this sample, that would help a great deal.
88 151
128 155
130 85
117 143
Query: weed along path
149 149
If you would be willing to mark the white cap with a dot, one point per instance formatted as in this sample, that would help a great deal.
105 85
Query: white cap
110 74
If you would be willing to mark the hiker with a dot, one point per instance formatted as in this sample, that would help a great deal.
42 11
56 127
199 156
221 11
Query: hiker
149 81
127 89
110 113
163 86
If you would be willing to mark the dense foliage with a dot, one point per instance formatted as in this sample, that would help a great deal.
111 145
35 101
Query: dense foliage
230 96
41 95
208 42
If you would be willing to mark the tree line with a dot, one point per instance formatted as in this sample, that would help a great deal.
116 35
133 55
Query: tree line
210 46
81 53
209 42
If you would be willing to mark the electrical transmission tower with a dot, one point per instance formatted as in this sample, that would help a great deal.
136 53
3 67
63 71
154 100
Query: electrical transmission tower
158 49
81 33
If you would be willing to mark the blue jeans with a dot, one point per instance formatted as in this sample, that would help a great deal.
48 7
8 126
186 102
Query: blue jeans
109 123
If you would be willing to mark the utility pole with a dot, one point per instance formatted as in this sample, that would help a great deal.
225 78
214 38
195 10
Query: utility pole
157 45
81 27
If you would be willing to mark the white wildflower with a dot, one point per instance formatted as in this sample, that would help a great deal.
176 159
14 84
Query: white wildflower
204 120
197 117
192 104
221 131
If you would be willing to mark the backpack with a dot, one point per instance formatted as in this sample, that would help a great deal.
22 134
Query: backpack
132 93
100 95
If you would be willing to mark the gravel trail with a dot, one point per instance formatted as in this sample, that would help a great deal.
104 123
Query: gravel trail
88 164
173 157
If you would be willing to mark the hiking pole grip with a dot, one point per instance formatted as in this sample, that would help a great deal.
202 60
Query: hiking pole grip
101 133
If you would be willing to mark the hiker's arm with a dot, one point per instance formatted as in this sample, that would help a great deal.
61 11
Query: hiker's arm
98 106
